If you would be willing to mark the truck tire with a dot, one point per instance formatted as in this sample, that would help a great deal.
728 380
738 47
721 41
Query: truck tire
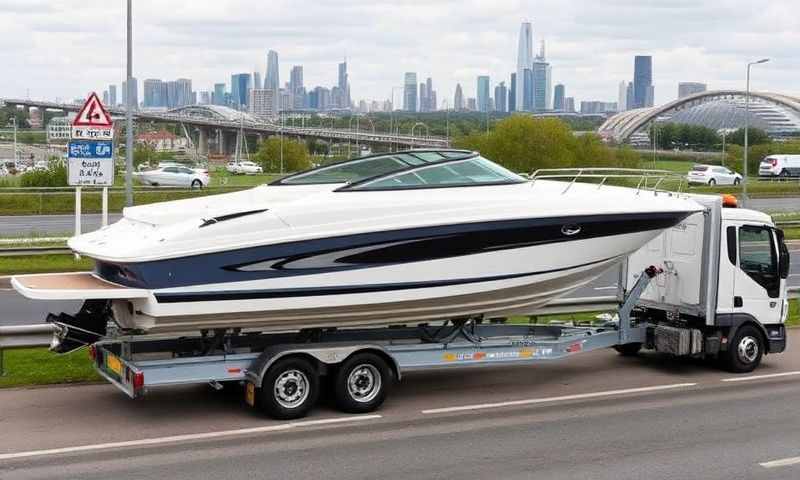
362 382
628 349
745 350
289 389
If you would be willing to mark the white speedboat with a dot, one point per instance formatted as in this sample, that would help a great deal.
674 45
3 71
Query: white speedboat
399 238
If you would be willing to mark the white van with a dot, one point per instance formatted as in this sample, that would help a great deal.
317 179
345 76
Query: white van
780 166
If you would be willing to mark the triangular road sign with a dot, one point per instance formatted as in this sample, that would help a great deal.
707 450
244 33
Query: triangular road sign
92 114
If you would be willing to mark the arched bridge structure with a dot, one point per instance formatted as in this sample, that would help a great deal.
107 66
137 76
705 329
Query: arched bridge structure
215 118
778 114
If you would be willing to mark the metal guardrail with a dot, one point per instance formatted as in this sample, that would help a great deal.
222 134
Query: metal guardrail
20 251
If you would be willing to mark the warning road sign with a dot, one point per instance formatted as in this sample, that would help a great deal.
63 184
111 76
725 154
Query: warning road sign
92 114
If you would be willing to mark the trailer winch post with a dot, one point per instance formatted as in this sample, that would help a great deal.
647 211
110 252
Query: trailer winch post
630 301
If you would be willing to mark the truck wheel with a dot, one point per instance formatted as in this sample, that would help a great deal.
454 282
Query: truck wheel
362 382
628 349
289 389
745 350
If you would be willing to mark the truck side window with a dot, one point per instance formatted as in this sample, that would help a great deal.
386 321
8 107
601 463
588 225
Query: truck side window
732 245
758 259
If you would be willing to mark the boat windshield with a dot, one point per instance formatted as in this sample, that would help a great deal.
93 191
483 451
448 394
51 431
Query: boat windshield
353 171
471 171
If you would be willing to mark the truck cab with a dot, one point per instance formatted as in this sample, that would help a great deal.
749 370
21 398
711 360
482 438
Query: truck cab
723 284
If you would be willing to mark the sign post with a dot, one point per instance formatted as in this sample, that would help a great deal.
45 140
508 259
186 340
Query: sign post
90 156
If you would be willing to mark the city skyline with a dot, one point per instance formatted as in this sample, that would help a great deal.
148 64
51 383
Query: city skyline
589 60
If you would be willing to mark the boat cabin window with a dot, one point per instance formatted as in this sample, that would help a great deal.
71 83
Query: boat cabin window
456 173
353 171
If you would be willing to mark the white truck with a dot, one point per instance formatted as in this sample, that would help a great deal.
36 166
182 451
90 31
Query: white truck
714 286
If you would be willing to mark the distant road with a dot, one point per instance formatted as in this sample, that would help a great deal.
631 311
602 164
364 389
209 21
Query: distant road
51 224
779 204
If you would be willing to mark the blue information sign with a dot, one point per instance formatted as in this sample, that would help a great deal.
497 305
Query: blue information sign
90 149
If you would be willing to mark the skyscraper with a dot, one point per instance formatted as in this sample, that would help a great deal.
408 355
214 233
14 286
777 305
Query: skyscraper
687 88
344 85
134 93
527 90
622 96
218 97
296 87
569 104
272 78
512 93
112 95
152 93
257 81
642 80
558 97
524 61
261 102
410 92
483 93
500 97
423 97
240 87
542 86
458 99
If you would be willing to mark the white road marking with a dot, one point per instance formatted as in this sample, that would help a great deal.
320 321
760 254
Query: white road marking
187 437
759 377
784 462
612 287
580 396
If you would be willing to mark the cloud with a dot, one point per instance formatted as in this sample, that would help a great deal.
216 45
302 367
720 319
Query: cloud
62 49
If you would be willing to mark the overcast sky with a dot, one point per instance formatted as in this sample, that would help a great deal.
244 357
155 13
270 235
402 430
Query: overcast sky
53 49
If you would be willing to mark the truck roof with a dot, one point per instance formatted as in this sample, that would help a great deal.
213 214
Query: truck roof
744 214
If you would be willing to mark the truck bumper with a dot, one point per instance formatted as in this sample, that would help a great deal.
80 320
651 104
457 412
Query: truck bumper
776 338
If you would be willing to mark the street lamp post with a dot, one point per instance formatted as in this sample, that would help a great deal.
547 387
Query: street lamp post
391 119
747 127
129 113
14 120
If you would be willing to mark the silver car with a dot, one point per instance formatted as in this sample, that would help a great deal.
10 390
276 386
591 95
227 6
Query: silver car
174 176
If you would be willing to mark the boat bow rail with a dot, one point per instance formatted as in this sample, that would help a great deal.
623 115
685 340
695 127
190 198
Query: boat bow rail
646 179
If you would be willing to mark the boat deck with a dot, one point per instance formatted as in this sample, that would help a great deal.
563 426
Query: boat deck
71 286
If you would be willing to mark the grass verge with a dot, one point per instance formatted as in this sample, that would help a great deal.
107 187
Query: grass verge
39 366
23 264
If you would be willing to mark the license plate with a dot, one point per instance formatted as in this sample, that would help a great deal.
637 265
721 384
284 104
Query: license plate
114 364
250 394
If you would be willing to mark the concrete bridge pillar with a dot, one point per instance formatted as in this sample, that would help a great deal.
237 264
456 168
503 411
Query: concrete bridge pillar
202 141
220 142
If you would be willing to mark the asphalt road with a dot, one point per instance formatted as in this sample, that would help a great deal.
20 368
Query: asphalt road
41 225
781 204
596 416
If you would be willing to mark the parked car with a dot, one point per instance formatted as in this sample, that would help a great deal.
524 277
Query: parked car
246 168
780 166
713 175
173 176
178 164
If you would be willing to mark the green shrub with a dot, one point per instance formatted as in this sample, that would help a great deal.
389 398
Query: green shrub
54 176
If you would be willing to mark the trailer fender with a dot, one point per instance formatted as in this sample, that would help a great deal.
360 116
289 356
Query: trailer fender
320 353
774 338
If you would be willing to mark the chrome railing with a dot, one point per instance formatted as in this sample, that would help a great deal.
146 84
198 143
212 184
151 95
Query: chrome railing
649 180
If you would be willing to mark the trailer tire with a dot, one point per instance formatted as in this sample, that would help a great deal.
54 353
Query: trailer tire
362 382
745 350
289 389
628 349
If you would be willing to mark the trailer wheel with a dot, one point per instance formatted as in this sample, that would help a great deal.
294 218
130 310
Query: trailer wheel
745 350
289 389
362 383
628 349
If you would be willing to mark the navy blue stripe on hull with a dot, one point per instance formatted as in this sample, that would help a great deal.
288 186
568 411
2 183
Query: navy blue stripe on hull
180 297
376 249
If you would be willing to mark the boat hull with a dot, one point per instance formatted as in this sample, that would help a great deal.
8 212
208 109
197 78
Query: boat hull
490 283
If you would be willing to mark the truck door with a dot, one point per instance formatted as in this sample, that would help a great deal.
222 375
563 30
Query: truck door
758 287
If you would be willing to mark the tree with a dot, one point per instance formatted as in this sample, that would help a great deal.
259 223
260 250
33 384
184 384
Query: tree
144 154
755 136
295 155
523 144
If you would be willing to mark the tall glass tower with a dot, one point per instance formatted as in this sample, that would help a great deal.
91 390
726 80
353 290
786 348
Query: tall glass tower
642 80
483 93
524 61
410 92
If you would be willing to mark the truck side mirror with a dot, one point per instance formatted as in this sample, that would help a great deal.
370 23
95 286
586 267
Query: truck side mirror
783 258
